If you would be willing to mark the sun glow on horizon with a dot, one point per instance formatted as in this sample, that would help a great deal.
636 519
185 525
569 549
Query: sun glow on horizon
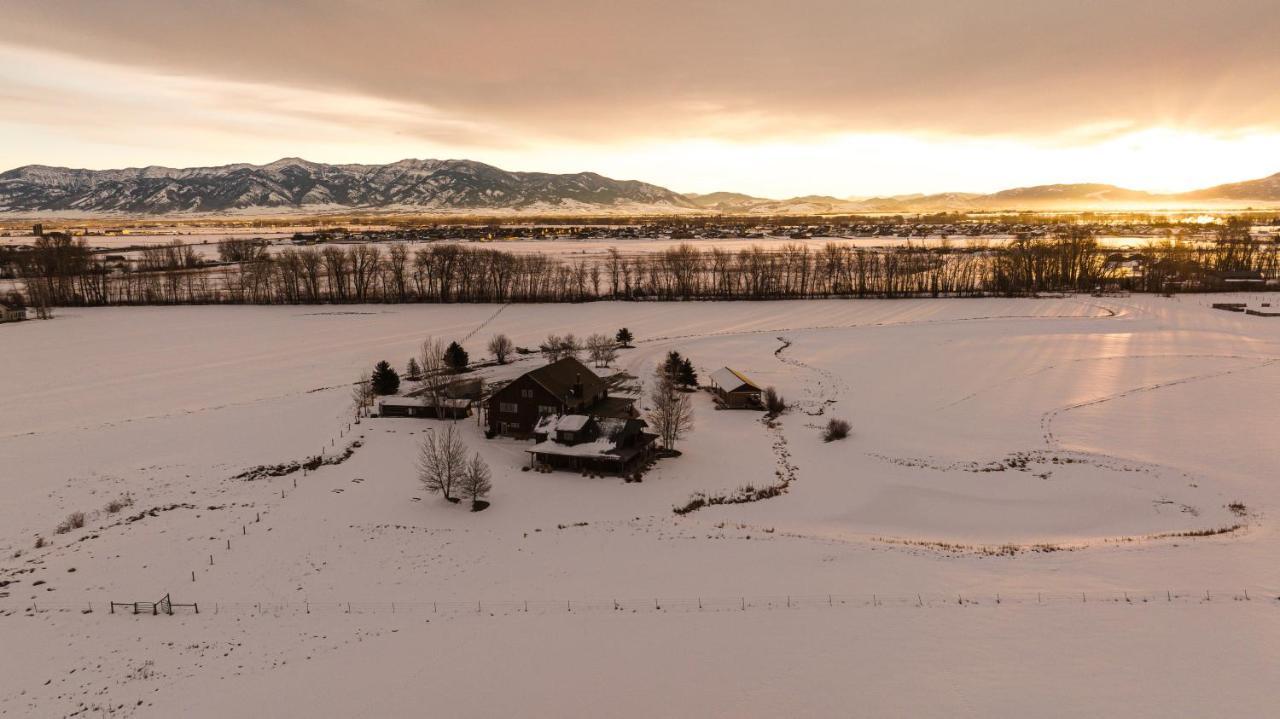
77 113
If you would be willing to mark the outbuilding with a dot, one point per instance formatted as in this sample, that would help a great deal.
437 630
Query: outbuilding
734 390
446 408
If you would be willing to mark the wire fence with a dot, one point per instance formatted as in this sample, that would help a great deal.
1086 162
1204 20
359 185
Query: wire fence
743 603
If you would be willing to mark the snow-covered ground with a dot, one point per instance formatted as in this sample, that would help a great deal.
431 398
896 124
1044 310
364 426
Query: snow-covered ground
1009 530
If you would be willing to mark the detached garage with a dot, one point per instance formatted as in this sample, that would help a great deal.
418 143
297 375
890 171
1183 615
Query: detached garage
735 391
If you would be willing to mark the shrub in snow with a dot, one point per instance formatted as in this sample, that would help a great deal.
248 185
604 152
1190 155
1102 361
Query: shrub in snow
774 404
75 520
116 505
836 429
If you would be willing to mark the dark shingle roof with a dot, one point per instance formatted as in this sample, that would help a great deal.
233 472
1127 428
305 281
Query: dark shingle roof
560 376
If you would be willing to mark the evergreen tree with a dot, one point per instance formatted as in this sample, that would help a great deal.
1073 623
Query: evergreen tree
624 337
385 379
671 367
456 357
687 376
412 371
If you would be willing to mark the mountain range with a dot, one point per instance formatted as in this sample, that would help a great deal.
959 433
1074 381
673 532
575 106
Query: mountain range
297 186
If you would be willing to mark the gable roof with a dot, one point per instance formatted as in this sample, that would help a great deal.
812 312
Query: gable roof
559 377
731 379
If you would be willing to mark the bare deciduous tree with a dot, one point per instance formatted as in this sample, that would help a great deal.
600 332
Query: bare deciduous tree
476 483
361 395
552 348
670 411
434 371
442 461
501 347
601 349
570 346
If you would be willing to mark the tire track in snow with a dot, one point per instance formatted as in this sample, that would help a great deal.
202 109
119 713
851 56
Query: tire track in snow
1046 420
1055 365
1110 314
829 384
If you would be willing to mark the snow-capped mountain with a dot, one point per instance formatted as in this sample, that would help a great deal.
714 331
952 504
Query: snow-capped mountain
301 185
298 186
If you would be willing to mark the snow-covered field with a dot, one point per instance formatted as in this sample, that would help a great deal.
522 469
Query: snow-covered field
1009 530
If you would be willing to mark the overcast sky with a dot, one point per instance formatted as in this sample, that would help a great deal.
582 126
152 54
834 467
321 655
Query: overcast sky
841 97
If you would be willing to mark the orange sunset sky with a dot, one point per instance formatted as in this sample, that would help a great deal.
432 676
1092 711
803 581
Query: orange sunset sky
852 98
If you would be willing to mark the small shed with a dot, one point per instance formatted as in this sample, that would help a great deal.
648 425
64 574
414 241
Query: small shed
424 407
735 390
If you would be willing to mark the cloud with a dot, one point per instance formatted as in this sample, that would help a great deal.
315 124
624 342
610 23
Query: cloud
608 71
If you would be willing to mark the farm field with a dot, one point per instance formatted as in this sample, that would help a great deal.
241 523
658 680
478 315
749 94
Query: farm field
1038 495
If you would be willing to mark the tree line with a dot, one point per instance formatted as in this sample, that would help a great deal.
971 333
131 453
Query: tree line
61 271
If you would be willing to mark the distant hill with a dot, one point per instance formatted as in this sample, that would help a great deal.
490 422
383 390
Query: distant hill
297 186
1265 190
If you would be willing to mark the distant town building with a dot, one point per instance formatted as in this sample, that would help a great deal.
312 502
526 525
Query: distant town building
10 312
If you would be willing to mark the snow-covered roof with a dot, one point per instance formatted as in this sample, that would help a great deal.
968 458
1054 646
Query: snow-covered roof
731 379
421 402
567 422
602 447
572 422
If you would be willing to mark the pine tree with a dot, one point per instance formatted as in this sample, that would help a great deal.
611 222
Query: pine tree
385 379
687 376
456 357
624 337
671 367
412 371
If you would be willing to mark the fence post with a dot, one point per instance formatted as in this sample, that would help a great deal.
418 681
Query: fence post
744 604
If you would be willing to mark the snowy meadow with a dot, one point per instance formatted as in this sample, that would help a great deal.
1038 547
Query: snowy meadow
1036 495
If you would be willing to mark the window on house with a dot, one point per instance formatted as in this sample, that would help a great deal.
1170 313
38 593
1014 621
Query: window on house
526 393
546 409
509 407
